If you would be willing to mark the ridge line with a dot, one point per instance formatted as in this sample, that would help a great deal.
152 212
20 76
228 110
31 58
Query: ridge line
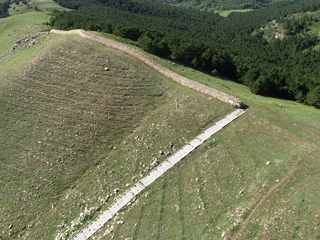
168 73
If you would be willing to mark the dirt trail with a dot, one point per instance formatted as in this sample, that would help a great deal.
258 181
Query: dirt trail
182 80
271 190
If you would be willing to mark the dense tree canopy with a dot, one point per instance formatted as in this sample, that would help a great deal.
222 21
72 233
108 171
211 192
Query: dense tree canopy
212 5
4 9
284 69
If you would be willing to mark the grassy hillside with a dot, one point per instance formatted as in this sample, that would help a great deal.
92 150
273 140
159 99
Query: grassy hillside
227 12
69 128
256 178
34 5
72 134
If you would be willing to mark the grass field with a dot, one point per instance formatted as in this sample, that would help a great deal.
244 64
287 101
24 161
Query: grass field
72 133
14 28
226 13
43 5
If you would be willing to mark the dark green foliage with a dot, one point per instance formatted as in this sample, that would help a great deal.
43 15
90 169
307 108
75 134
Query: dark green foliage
232 4
216 4
211 5
283 69
214 72
154 43
313 97
4 9
298 25
128 32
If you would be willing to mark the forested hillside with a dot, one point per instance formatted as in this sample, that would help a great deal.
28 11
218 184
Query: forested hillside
230 46
216 5
4 9
212 5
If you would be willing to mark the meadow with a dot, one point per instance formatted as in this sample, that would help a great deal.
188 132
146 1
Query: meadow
42 5
227 12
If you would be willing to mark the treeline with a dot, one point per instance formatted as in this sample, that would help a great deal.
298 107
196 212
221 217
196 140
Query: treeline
99 14
142 14
238 4
4 9
216 4
211 5
284 69
298 5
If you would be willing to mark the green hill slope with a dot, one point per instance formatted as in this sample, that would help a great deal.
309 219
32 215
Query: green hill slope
74 136
34 6
258 177
68 127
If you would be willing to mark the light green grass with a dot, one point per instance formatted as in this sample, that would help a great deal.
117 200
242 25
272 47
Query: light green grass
317 47
14 28
226 13
43 5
